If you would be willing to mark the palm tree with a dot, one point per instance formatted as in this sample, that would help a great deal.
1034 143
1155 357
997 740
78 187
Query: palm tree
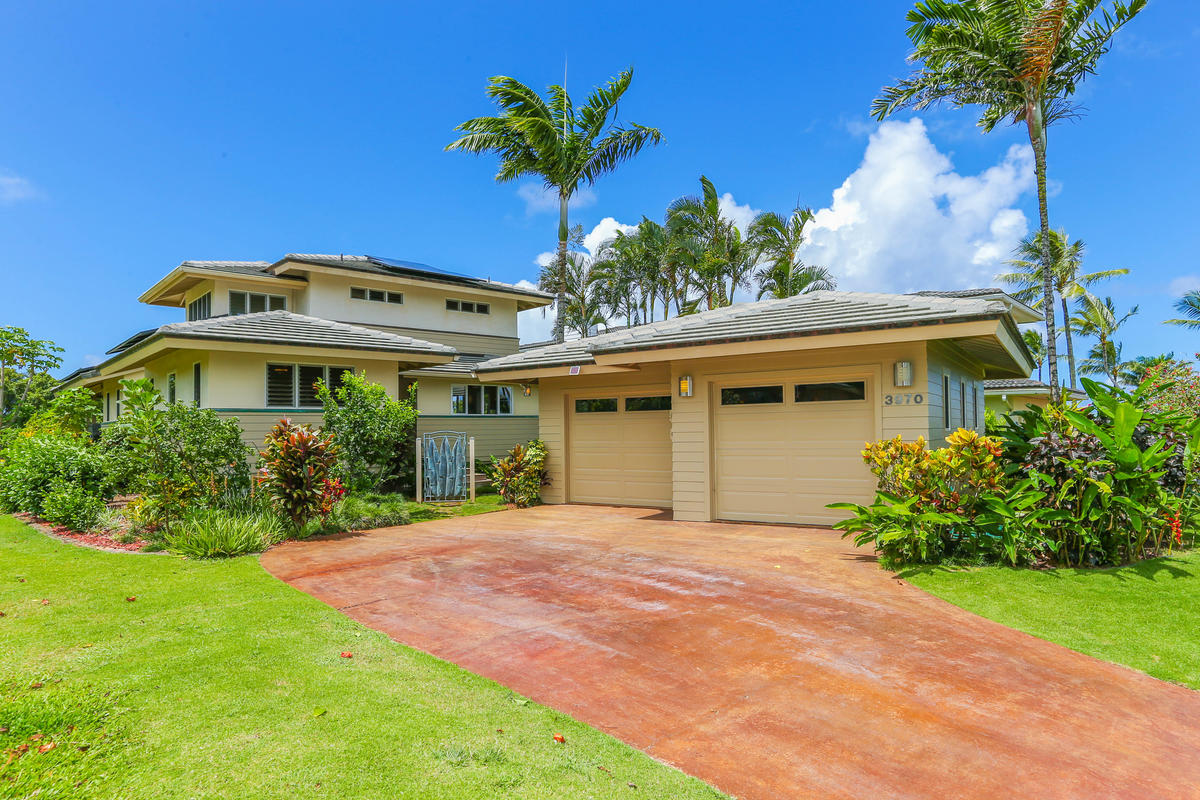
1189 306
618 268
779 240
1037 348
583 304
553 139
1066 276
1098 318
784 279
1022 61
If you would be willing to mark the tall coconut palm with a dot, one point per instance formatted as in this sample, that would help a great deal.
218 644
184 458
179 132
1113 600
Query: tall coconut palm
785 279
1037 348
1021 60
1189 307
583 304
563 144
619 267
1099 319
1067 277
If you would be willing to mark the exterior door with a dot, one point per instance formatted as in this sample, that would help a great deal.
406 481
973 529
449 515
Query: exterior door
784 448
620 448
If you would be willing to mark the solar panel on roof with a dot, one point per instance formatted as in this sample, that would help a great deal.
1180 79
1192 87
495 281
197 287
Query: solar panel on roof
416 266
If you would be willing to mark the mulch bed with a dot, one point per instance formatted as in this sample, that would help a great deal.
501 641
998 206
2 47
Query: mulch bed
96 541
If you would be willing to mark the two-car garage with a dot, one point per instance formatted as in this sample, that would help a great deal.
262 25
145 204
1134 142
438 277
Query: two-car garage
781 446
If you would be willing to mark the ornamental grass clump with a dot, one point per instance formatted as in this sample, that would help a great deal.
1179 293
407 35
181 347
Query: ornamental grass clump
214 533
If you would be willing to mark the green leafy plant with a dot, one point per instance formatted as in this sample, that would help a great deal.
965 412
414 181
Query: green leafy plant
899 530
373 432
296 471
33 465
520 476
361 513
215 533
71 504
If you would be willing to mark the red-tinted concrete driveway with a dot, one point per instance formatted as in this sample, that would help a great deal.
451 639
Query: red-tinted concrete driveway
772 662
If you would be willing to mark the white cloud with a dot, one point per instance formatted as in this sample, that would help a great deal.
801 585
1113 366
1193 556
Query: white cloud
535 325
540 199
740 216
1182 284
91 360
14 188
605 229
905 220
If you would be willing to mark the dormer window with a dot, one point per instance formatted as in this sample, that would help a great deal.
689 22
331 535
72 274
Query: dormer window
468 307
200 308
254 302
376 295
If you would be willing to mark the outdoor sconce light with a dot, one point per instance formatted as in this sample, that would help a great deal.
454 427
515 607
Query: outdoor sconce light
526 390
685 385
904 374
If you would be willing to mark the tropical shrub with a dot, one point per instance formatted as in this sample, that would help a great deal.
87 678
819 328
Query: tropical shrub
71 504
215 533
296 472
1172 387
70 412
373 432
176 455
902 534
520 476
33 465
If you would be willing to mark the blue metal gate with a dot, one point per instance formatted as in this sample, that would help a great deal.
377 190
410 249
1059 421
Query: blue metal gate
446 468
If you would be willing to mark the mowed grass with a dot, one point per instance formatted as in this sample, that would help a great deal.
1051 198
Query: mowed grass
1145 616
219 681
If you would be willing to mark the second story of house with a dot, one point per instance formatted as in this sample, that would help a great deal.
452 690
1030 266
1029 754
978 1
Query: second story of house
472 315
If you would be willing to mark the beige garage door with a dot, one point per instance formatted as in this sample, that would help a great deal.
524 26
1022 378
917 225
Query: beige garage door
620 449
785 448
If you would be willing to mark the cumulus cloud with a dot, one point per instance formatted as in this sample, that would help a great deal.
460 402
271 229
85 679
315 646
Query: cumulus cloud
740 215
540 199
906 220
14 188
1182 284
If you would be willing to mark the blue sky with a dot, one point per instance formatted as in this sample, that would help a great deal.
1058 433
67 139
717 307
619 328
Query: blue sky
138 135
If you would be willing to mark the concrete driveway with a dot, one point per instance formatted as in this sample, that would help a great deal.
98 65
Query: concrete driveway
772 662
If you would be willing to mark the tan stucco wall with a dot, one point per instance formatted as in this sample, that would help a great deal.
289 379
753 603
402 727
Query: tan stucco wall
910 412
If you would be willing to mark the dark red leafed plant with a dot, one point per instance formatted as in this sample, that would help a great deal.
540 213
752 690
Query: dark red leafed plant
295 472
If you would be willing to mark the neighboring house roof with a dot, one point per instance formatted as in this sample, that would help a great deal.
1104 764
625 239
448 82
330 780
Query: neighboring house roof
1020 311
803 315
1022 386
130 342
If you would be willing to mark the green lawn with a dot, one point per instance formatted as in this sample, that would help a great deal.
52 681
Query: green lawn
220 681
1145 616
484 502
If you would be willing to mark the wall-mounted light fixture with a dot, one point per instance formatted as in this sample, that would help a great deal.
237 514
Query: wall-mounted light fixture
685 385
903 374
526 390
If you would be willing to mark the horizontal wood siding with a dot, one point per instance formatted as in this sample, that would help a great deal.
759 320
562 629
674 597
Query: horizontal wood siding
462 342
947 360
493 435
256 425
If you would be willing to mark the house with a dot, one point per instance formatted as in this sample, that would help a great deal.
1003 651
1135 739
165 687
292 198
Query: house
1005 395
759 411
258 334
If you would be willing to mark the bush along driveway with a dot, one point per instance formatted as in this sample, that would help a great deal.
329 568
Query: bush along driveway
130 677
772 662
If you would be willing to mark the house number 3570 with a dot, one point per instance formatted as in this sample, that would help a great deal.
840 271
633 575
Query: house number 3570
907 399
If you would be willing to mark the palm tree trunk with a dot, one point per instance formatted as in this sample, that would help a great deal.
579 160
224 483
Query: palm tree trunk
560 298
1070 344
1037 138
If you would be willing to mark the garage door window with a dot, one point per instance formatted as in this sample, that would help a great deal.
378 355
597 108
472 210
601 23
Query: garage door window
830 392
662 403
596 405
751 395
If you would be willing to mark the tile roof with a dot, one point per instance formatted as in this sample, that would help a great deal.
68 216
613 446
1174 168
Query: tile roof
284 327
395 267
464 365
803 315
960 292
1027 385
257 268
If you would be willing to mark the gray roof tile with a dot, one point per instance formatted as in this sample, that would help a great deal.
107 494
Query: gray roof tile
284 327
803 315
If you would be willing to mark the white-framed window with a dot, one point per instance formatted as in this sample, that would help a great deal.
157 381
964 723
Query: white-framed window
170 387
118 403
294 385
200 308
254 302
376 295
108 406
485 400
468 306
962 404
